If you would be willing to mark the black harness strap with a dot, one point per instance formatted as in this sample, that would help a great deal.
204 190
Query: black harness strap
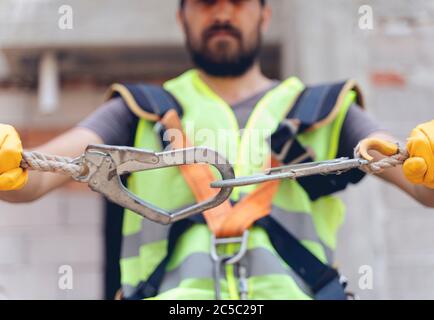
150 287
153 100
315 104
323 280
312 106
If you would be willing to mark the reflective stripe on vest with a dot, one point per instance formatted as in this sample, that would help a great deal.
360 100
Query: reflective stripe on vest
298 224
324 216
260 262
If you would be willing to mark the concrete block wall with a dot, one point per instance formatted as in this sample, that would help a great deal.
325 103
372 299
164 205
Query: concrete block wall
321 41
63 228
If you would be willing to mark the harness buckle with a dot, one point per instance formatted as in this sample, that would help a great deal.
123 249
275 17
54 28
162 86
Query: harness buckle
220 260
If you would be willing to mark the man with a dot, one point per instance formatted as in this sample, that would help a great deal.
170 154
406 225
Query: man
227 90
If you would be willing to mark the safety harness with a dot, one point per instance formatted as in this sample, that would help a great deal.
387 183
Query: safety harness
229 223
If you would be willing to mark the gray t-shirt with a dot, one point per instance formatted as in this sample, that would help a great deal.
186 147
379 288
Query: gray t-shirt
116 124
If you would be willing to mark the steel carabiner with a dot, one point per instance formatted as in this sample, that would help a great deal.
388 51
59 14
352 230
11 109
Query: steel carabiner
105 164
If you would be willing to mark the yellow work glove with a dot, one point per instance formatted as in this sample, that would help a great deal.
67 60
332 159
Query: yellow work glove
12 177
419 168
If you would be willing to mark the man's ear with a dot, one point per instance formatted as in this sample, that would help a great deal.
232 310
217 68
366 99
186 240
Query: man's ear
266 17
180 18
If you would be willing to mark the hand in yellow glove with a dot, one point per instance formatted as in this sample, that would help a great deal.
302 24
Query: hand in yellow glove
419 168
12 177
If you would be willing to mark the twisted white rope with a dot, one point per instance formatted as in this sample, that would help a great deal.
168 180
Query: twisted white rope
385 163
65 165
42 162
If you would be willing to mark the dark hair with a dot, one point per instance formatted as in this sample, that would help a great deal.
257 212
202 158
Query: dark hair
182 2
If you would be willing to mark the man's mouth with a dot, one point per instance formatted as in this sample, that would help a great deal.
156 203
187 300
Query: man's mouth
223 33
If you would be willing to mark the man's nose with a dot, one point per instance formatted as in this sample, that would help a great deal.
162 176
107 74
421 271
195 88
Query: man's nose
223 11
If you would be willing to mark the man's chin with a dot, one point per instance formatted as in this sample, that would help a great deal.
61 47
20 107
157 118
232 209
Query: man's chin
223 61
223 56
223 45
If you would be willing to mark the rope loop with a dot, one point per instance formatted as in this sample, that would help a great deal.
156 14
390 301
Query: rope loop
385 163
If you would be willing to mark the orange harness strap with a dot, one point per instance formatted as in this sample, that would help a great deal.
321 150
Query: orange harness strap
243 215
224 220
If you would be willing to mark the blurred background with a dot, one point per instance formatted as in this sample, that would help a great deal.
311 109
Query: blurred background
52 77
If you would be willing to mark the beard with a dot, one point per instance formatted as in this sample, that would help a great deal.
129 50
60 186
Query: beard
221 60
